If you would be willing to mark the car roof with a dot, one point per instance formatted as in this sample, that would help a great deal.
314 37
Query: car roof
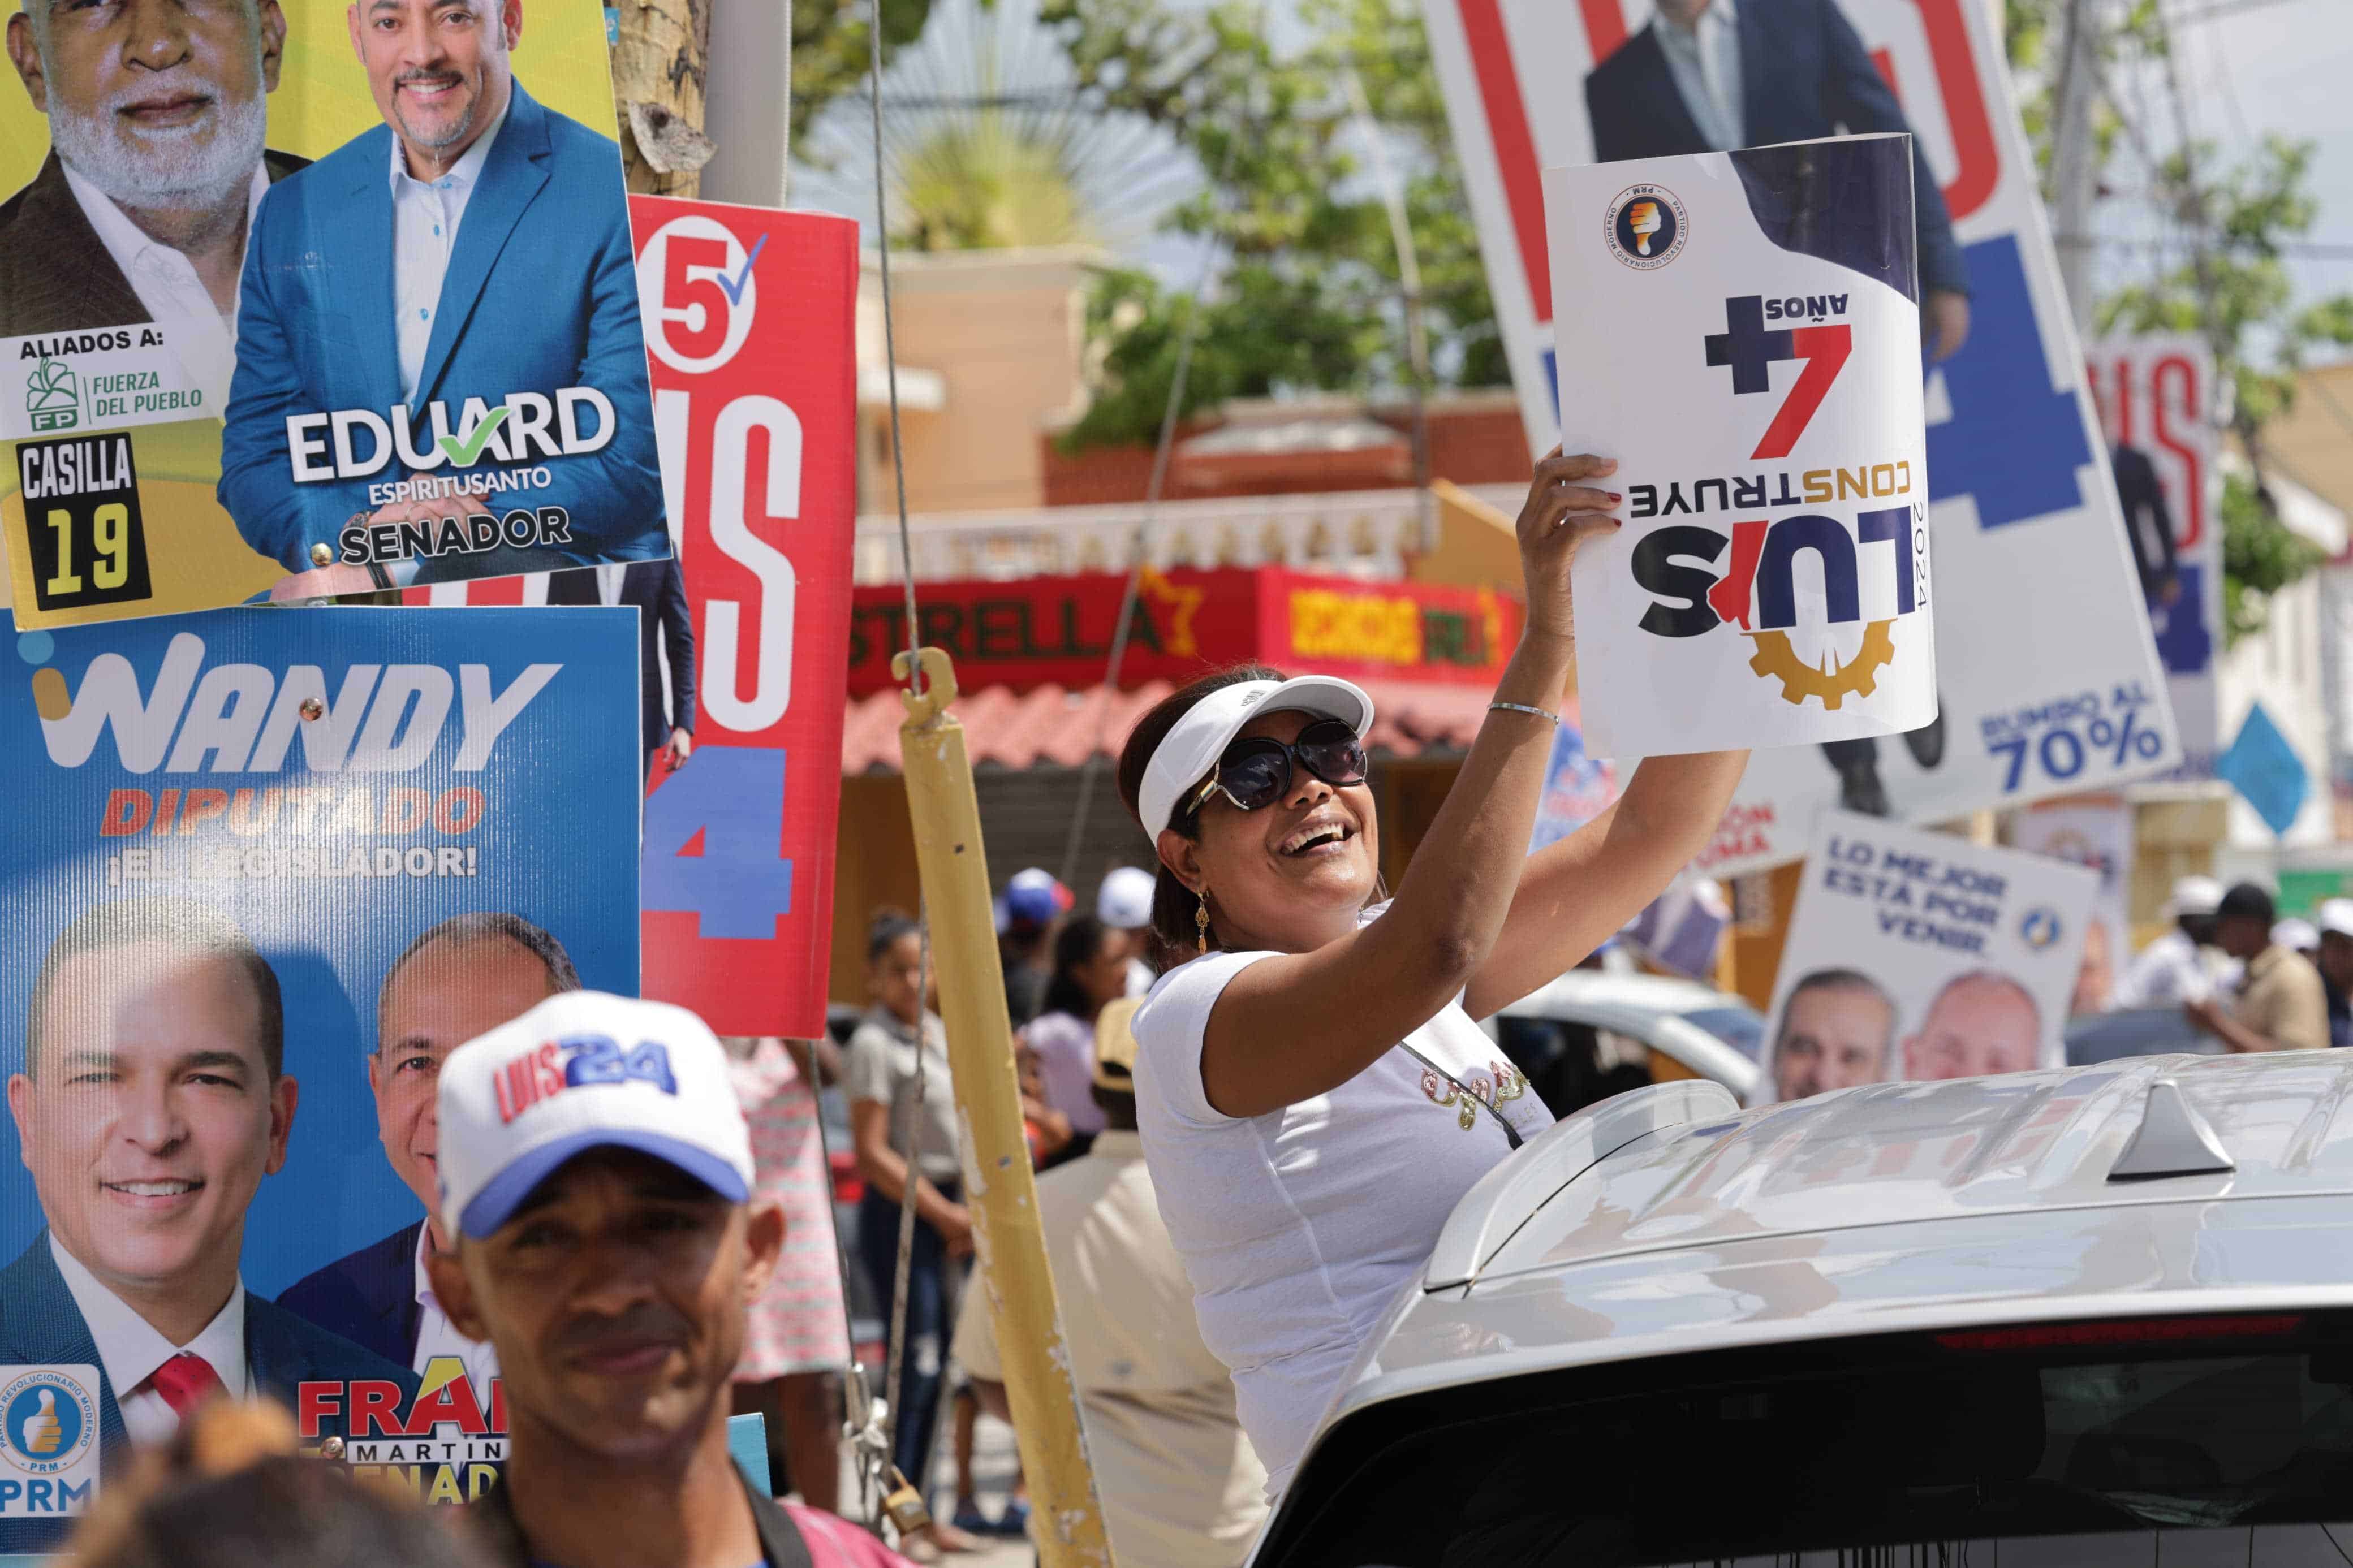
1914 1151
1666 1221
1590 988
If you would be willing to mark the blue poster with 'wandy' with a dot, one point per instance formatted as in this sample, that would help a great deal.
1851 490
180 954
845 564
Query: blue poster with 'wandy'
267 868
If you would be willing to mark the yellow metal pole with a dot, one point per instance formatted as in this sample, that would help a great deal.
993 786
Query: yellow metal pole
1000 1191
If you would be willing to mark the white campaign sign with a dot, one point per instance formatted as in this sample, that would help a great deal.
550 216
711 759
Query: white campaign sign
1922 955
1749 315
2049 681
2157 401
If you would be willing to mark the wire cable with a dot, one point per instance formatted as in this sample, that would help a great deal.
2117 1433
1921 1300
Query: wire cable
896 1349
1139 550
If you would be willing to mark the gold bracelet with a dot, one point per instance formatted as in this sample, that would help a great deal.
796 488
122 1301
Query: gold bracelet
1524 707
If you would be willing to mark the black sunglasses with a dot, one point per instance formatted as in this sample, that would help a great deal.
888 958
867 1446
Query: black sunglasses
1257 772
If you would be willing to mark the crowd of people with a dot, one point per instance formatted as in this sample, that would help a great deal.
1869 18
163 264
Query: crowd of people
1223 1066
2250 980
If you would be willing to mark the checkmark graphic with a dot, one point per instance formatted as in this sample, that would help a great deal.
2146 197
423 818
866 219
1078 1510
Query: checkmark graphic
462 454
735 286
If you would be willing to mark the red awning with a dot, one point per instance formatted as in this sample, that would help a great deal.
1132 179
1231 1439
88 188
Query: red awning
1057 727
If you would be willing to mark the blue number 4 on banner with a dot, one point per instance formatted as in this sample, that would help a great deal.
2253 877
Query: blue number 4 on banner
2014 441
714 836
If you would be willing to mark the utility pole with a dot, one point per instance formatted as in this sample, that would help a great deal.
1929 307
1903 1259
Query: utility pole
661 57
2074 156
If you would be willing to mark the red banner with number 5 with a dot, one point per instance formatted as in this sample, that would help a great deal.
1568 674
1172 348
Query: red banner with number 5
749 321
749 329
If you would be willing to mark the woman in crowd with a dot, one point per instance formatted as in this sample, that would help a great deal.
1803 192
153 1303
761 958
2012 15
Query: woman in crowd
904 1136
1314 1092
1090 970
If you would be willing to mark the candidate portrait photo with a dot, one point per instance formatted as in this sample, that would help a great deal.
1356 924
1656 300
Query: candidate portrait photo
440 322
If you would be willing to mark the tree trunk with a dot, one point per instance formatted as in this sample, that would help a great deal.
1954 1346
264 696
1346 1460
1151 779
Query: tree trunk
660 69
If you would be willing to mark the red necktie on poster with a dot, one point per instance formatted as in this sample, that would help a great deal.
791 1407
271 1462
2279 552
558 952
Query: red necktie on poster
186 1382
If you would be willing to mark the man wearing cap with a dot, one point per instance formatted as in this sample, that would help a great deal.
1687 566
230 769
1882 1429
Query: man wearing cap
2280 1003
1124 904
2180 966
2335 962
597 1186
1025 914
1179 1484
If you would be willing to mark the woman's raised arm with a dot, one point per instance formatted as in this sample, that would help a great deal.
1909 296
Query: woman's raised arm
1288 1028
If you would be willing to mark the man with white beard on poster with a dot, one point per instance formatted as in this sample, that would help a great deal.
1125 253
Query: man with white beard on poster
140 213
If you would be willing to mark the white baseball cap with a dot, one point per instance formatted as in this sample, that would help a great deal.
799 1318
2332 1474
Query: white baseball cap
2295 935
2336 915
2194 896
585 1070
1124 900
1195 742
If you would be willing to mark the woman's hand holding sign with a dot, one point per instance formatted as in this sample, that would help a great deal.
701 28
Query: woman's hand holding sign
1561 513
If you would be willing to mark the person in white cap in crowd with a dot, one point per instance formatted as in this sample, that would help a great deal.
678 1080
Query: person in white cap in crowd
606 1239
1124 903
2335 962
1180 1485
1033 903
2182 965
1314 1091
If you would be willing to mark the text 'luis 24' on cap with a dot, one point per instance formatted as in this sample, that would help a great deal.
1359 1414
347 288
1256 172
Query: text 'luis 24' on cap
585 1070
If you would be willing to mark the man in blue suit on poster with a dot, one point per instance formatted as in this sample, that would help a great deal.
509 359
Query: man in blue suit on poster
152 1102
441 373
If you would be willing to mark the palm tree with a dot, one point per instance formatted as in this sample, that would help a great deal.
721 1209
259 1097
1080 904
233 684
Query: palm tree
987 144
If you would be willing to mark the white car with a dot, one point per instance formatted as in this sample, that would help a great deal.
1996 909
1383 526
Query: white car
2094 1316
1699 1032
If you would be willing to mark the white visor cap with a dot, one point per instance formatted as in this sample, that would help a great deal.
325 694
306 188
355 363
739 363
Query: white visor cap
1192 747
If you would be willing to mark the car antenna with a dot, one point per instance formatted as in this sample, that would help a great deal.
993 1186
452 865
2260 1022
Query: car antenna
2172 1140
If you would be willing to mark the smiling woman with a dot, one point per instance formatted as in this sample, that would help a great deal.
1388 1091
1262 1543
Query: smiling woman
1314 1092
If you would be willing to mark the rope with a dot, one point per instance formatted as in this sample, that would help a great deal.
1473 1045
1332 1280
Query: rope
1138 556
897 1351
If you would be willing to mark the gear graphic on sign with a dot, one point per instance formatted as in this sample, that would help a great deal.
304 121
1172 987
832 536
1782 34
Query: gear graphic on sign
1859 675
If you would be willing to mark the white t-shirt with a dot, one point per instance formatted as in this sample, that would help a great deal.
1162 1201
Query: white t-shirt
1299 1226
2169 970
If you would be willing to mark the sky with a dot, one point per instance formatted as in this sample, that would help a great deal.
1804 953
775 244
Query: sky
2283 66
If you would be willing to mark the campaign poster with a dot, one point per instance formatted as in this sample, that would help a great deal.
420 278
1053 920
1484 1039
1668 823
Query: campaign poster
1770 587
1579 788
745 637
2049 680
1921 956
268 868
301 298
2096 832
2156 398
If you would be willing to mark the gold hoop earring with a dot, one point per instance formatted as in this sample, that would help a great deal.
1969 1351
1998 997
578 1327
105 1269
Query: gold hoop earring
1201 921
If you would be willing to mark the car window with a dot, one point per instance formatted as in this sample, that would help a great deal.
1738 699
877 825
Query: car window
2155 1442
1742 1028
